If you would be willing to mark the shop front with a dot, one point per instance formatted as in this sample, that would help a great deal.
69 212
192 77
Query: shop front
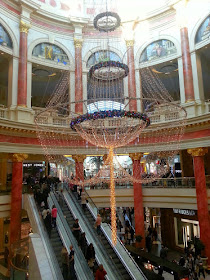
179 227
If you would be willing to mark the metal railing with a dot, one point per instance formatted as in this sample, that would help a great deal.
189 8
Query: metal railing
120 250
183 182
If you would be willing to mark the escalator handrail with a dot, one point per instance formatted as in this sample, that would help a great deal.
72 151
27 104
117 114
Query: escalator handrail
45 240
118 240
111 264
78 253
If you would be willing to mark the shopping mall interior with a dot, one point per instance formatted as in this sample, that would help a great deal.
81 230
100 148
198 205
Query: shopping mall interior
104 118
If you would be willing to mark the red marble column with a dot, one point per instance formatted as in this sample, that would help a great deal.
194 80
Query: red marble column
79 168
202 198
131 75
78 76
138 198
16 197
187 66
22 70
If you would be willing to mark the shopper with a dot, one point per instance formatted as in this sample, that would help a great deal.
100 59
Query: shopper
100 273
54 216
83 243
65 262
76 229
90 256
72 274
98 224
199 266
48 223
83 200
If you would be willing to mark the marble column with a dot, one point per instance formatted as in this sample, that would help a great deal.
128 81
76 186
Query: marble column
131 75
79 160
16 197
22 69
202 197
138 197
187 65
78 76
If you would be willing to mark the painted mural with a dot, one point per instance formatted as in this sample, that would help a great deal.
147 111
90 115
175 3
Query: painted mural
102 56
5 39
51 52
203 32
158 49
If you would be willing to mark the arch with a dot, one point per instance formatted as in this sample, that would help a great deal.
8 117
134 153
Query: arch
15 49
97 49
56 43
196 28
153 40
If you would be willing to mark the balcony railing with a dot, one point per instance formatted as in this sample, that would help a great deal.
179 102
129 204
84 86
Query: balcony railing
184 182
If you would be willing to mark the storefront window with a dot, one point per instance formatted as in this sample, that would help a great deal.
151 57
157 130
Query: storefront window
5 39
51 52
203 32
157 50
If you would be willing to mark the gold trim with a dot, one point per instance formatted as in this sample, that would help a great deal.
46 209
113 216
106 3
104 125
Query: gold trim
79 158
197 152
19 157
24 27
136 156
129 43
78 43
190 100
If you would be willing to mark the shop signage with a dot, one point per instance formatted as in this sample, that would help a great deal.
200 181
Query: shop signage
33 164
184 212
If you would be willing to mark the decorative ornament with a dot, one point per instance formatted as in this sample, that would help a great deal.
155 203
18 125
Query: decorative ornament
107 21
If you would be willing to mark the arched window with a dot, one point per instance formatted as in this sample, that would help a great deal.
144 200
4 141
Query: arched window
46 51
45 78
5 39
158 49
203 32
102 56
109 94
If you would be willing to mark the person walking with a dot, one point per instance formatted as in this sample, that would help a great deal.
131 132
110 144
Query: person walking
72 273
100 273
65 262
54 216
98 224
199 266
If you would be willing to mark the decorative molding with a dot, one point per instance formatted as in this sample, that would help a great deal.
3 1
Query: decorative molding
79 158
78 43
24 27
129 43
136 156
19 157
197 152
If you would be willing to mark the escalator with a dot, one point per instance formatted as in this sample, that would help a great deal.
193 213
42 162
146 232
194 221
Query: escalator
64 223
121 268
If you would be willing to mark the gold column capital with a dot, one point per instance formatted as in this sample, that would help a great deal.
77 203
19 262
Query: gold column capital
24 27
79 158
129 43
197 152
78 43
136 156
19 157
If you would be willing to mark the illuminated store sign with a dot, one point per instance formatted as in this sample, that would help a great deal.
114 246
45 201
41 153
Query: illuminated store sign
184 212
33 164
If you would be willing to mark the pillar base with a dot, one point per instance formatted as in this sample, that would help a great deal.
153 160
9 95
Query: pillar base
21 114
